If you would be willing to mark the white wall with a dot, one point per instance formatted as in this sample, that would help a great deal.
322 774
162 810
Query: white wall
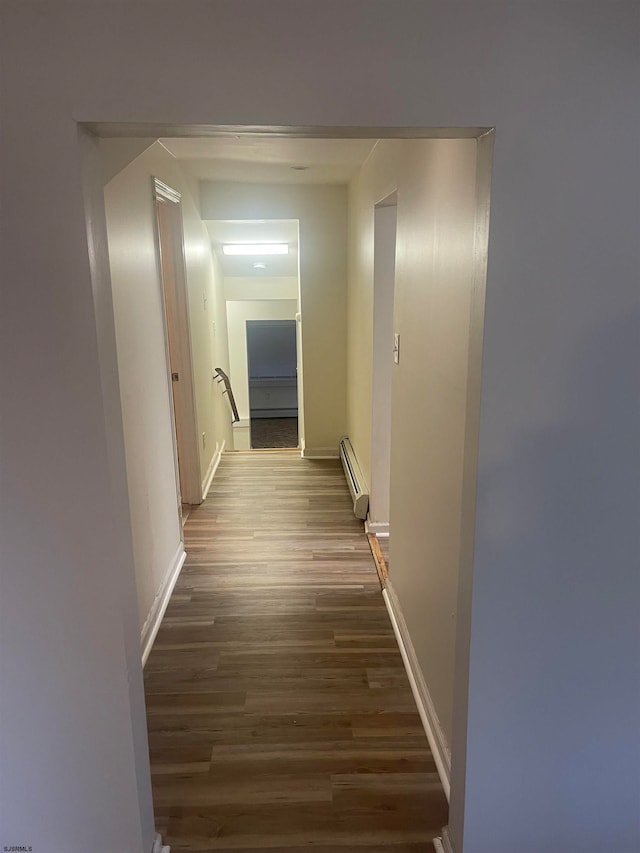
435 180
322 214
138 310
70 646
553 640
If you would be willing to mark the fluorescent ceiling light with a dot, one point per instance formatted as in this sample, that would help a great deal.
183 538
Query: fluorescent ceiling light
256 249
259 266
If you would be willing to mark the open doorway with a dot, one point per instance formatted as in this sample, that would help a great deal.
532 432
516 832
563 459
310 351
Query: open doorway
273 392
259 265
431 300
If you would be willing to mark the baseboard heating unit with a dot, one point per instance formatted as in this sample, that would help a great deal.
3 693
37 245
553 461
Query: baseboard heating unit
355 480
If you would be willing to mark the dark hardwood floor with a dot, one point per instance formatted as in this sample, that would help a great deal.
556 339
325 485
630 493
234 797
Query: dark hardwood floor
279 712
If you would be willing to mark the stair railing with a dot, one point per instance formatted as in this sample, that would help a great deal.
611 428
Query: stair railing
222 377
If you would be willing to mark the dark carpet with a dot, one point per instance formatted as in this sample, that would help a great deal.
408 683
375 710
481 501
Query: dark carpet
274 432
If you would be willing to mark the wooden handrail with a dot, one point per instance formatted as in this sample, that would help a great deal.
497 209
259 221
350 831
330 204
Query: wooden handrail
222 377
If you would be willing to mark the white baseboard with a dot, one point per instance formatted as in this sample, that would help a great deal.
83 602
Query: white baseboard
447 846
158 846
152 623
320 452
213 467
426 709
377 528
443 844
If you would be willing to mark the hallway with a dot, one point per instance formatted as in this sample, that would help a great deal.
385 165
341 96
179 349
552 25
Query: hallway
279 713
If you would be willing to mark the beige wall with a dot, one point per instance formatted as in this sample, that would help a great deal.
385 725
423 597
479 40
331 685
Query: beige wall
138 309
219 343
207 319
322 214
117 153
435 180
265 287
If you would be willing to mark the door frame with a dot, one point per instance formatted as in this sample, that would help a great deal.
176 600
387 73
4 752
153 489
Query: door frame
384 273
270 322
484 136
185 441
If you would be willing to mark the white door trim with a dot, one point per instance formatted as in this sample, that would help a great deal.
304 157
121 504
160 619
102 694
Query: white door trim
189 454
384 273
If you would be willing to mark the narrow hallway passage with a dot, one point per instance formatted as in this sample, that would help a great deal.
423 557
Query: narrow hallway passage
279 713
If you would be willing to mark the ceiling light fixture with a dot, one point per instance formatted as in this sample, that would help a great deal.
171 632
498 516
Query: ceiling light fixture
259 266
256 249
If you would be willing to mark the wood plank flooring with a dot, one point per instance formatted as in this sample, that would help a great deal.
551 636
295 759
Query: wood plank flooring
279 712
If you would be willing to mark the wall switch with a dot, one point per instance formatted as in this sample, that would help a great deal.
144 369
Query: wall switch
396 347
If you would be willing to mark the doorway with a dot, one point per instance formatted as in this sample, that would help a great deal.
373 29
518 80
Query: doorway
258 262
273 393
238 295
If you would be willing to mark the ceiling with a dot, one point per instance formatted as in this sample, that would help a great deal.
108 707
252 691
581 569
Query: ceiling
290 161
256 231
266 160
